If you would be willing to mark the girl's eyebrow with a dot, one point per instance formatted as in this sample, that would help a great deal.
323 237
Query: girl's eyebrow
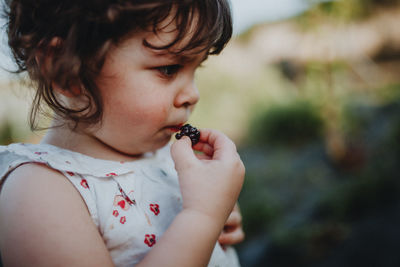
189 59
181 58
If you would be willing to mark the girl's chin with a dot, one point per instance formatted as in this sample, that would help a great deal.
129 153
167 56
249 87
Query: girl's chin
146 147
162 142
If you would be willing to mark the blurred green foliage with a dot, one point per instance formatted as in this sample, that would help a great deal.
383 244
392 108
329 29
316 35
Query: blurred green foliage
342 10
303 206
291 124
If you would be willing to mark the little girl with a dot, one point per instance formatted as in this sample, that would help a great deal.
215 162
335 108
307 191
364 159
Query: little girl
103 187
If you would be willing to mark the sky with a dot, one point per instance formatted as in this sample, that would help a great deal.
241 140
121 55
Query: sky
246 13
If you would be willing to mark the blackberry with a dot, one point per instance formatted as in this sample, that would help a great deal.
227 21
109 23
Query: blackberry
189 131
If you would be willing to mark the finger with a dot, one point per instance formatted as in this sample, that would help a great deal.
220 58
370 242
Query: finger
234 219
220 143
231 238
205 148
182 152
202 156
236 207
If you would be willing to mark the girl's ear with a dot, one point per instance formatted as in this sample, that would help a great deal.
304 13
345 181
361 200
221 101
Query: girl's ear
43 60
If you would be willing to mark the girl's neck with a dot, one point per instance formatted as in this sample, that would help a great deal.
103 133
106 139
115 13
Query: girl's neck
84 143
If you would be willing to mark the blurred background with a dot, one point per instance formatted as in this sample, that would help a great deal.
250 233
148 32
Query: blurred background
310 92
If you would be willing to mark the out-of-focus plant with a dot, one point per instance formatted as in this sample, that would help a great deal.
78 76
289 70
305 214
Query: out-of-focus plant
342 10
308 209
292 124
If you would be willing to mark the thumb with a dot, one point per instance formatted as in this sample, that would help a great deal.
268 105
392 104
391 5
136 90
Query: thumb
182 153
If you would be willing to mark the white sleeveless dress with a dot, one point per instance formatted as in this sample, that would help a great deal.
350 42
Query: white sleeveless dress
131 203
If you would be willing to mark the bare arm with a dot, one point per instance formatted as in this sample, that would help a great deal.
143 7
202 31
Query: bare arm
210 185
45 222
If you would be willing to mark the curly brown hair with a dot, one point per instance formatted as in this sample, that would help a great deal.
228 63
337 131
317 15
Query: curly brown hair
87 30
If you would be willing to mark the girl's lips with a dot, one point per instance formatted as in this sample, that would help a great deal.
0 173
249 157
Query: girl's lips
175 128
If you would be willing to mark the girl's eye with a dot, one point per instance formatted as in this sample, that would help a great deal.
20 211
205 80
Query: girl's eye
170 70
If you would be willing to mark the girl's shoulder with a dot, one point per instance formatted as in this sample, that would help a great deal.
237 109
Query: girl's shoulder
83 171
40 208
31 168
62 160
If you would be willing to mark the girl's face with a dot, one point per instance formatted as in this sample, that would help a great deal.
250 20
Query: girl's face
147 94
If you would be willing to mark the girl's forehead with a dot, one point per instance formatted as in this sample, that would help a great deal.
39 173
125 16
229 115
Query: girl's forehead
169 39
135 45
168 30
164 38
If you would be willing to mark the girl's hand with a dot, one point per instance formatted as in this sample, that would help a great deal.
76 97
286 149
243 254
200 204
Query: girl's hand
211 181
232 233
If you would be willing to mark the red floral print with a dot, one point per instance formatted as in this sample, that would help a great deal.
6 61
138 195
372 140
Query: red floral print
71 173
125 196
122 220
115 213
84 184
111 174
121 204
131 202
150 240
155 208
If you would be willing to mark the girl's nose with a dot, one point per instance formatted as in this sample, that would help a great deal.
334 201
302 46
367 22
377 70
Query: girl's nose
187 96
